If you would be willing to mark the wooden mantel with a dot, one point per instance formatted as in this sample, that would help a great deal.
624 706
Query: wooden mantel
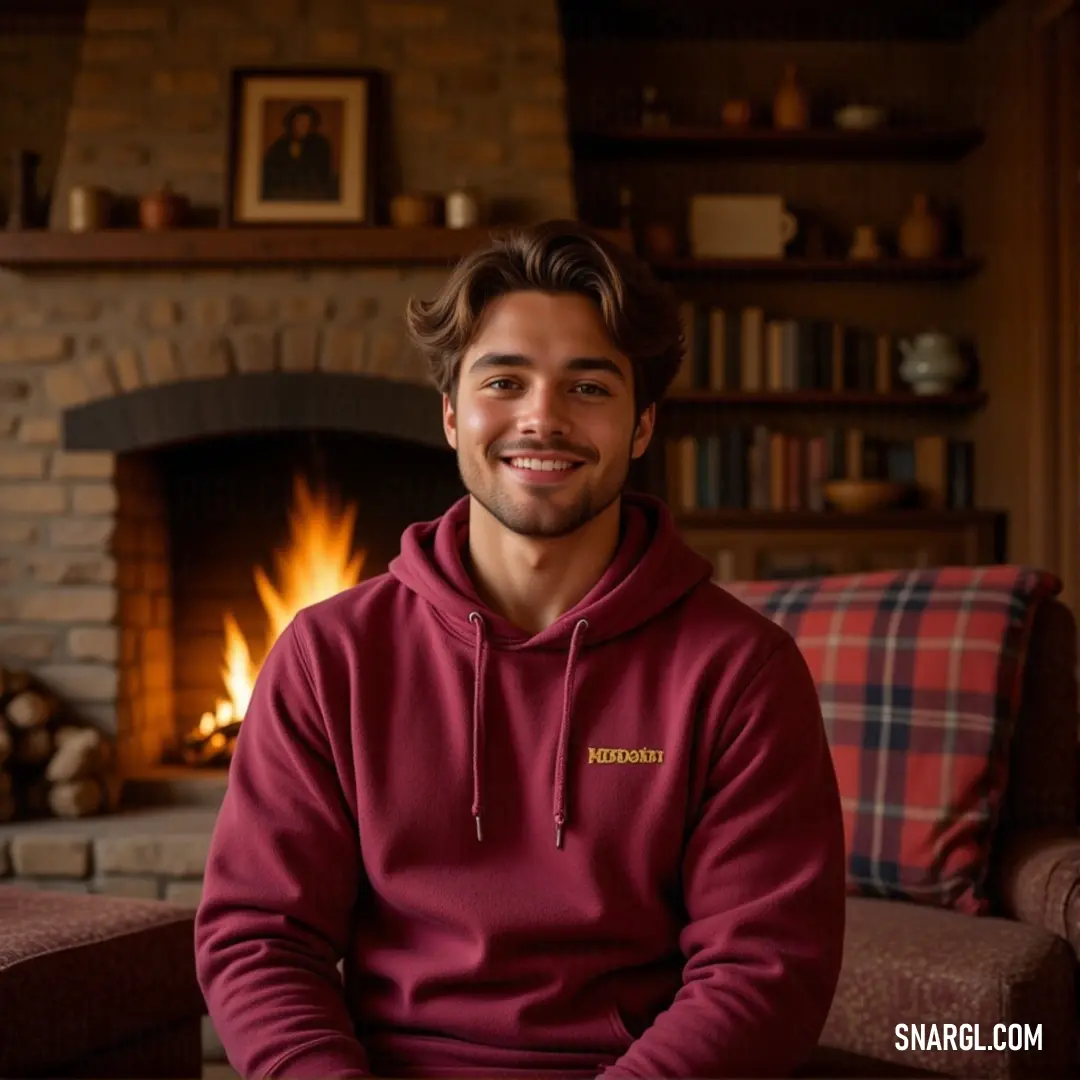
286 246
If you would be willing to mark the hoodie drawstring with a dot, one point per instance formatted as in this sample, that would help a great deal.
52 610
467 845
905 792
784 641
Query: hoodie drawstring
559 794
564 730
478 717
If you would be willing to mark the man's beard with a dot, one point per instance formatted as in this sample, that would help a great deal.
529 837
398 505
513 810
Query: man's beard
541 518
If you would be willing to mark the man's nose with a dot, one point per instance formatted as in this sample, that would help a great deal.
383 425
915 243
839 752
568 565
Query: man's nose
543 412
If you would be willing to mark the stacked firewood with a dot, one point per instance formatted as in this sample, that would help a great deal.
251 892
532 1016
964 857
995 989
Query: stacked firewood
49 763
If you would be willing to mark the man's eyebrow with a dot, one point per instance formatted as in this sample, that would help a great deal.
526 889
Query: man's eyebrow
516 360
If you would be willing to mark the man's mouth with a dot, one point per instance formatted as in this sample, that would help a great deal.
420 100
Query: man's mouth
535 464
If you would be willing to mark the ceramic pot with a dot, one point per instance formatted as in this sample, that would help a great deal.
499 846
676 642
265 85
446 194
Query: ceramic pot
864 243
408 211
932 363
162 209
736 113
659 242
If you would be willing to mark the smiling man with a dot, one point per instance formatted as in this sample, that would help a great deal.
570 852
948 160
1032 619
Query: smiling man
555 803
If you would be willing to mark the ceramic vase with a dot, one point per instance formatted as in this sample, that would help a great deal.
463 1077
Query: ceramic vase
791 106
920 234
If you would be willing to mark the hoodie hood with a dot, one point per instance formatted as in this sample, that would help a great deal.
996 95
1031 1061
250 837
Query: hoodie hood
652 569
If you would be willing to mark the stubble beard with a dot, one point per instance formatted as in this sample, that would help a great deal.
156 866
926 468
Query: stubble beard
541 518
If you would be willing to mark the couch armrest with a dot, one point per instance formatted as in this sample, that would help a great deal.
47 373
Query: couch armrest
1039 881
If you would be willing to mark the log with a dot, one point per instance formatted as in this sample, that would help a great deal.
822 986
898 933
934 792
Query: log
29 709
79 753
13 682
34 747
49 764
78 798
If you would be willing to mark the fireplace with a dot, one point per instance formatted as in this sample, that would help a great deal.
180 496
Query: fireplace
230 493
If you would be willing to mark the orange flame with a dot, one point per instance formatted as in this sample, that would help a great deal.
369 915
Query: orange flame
318 563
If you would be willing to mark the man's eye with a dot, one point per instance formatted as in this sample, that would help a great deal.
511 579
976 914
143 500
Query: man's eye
593 389
501 384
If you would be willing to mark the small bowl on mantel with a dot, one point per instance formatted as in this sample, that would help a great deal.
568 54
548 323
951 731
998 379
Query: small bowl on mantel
864 496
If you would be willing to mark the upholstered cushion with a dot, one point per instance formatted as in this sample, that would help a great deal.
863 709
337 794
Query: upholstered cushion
909 964
919 674
82 974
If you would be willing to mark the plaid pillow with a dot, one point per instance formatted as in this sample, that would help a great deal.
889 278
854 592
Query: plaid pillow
920 675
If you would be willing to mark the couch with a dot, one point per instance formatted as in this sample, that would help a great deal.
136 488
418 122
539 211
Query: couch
930 962
97 986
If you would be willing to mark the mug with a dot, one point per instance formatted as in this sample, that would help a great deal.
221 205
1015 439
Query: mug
462 209
88 208
740 226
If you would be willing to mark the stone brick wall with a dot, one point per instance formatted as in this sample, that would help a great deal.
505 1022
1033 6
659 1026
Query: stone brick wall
476 92
157 862
37 74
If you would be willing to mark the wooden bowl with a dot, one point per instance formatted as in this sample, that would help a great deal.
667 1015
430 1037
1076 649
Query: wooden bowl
864 496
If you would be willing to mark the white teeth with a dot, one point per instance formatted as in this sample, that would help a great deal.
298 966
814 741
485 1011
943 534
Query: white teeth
539 465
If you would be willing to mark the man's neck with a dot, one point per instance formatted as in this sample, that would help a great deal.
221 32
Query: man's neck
532 582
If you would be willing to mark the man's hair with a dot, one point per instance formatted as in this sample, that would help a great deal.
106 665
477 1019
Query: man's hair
641 315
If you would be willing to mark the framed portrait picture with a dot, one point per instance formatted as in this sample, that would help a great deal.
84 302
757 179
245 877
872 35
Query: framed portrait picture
300 147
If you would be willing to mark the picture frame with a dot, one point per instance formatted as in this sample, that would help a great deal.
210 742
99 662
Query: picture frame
301 146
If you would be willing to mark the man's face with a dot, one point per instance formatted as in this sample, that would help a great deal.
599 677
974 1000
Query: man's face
544 423
301 125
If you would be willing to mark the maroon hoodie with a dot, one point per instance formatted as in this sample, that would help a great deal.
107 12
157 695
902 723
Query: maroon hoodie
614 846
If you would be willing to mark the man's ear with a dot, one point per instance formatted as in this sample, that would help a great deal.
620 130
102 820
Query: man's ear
643 433
449 421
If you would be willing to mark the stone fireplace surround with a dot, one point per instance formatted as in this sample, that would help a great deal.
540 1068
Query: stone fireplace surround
114 559
152 654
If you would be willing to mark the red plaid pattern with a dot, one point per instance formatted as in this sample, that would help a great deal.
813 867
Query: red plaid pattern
919 673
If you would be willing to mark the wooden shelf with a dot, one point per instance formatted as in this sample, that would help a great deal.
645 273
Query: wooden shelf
122 249
959 401
785 21
946 269
821 144
826 520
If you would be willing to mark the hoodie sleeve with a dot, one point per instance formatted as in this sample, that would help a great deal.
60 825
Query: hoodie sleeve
764 881
280 887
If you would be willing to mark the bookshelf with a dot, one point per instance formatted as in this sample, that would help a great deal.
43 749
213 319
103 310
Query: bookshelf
775 403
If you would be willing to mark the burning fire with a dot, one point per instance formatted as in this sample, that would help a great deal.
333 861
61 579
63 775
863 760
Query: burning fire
317 564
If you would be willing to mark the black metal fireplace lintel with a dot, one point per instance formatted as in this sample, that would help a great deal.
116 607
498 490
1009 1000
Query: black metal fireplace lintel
179 412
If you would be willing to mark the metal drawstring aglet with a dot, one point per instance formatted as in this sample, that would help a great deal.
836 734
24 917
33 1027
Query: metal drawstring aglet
558 834
479 832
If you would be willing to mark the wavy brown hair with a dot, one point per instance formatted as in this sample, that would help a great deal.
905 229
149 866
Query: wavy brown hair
641 315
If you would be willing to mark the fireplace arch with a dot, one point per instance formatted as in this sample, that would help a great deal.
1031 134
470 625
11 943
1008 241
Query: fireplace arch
270 401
